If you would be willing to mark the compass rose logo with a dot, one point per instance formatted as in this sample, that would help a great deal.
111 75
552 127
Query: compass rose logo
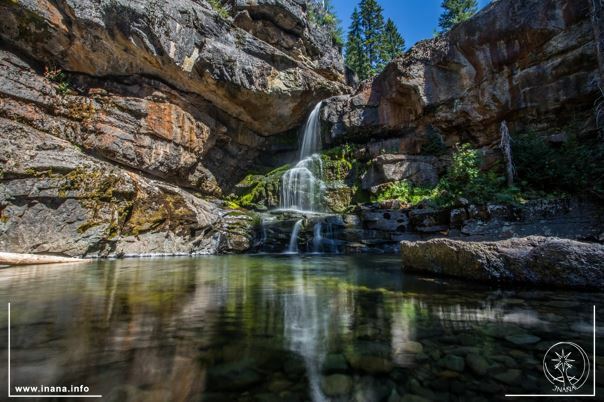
566 366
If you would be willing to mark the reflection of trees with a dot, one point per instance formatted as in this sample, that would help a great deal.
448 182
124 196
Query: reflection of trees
149 329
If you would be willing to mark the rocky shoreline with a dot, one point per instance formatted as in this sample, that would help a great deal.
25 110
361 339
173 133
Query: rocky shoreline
533 260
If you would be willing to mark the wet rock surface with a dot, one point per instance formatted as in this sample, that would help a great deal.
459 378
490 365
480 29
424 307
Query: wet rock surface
380 227
531 260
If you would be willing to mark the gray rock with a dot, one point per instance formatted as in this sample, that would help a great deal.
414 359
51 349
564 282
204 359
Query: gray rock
452 362
458 86
510 377
336 385
532 260
419 170
522 339
477 364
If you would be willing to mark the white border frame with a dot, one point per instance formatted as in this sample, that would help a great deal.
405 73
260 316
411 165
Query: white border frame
36 396
592 395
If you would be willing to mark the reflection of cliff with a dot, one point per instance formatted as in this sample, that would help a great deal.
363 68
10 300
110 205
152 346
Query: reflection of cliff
177 329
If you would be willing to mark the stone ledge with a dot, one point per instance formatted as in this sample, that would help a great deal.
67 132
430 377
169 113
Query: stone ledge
542 261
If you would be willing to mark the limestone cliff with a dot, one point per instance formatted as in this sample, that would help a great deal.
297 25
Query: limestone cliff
532 63
119 119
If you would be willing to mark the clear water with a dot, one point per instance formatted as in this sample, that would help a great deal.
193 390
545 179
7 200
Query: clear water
262 328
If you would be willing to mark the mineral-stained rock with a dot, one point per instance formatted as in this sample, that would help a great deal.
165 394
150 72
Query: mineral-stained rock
56 199
117 117
530 260
388 168
533 63
184 43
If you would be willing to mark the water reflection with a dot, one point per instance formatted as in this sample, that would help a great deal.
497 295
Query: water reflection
269 329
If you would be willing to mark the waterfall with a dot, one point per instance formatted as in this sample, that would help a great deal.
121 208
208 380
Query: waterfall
317 240
311 140
293 241
301 186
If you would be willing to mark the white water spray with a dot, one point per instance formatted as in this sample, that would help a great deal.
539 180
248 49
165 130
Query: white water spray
293 241
301 187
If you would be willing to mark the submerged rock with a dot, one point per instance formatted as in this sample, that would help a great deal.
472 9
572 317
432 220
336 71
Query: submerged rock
530 260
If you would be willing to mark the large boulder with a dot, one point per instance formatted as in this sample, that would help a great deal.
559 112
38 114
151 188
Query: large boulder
544 261
532 63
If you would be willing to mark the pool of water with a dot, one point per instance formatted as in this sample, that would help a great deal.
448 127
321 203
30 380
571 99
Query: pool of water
262 328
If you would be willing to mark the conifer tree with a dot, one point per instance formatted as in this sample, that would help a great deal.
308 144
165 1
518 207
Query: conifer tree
371 44
372 22
456 11
356 58
393 43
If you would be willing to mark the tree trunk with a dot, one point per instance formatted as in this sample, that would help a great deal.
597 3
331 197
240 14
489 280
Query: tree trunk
34 259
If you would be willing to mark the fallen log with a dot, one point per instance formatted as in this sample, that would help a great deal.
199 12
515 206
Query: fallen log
34 259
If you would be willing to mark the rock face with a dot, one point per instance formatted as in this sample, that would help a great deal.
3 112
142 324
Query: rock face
121 121
532 260
420 170
533 63
171 88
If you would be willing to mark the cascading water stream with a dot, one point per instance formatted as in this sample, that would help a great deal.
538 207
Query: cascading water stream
293 241
302 187
317 239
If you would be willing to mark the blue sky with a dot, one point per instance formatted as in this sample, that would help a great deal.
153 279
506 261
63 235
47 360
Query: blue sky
415 19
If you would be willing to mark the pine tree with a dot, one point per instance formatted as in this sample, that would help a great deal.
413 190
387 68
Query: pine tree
356 58
393 43
456 11
372 22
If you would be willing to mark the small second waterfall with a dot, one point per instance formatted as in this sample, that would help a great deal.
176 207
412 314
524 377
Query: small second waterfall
302 187
293 241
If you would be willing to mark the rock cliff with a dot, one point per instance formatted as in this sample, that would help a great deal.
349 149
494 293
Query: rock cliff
120 121
532 63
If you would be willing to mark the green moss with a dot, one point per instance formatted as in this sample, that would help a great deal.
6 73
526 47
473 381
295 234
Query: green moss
464 179
32 27
257 189
220 8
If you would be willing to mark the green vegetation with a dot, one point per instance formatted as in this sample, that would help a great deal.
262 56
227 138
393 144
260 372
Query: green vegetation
220 8
571 167
258 189
456 11
356 58
434 145
323 14
371 43
394 44
406 192
464 179
58 76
